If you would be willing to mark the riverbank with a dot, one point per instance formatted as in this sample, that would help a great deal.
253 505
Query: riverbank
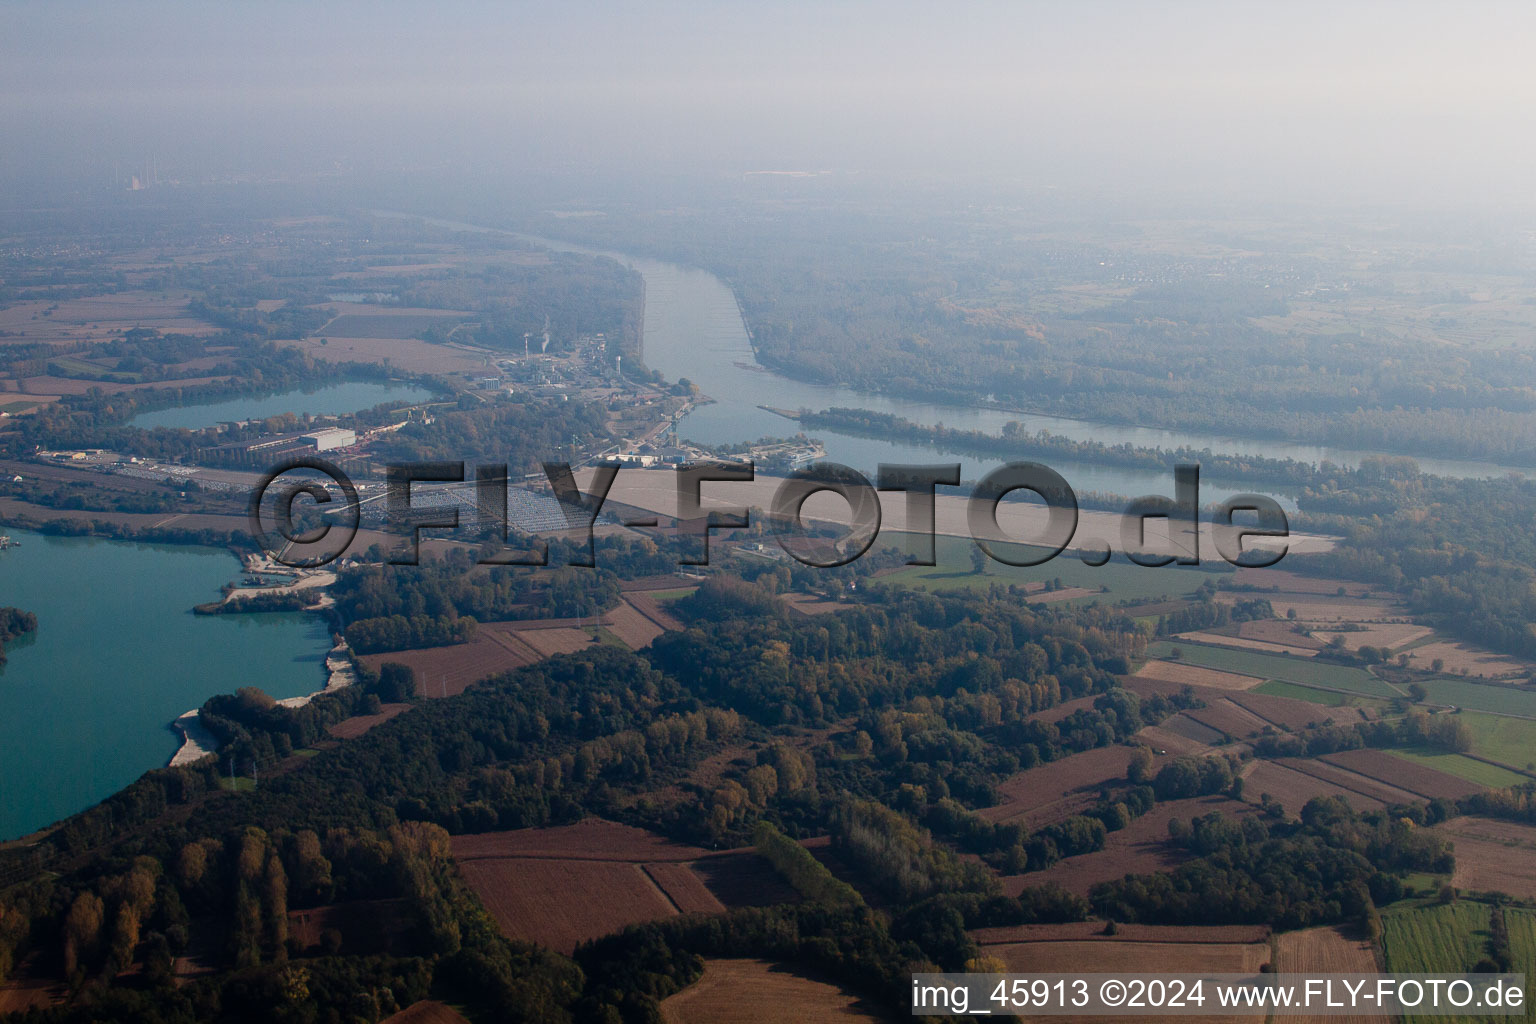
198 743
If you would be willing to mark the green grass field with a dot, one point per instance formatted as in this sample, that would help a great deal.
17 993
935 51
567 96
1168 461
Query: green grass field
1306 671
1126 581
1501 700
1510 741
1452 938
1461 766
1327 698
18 406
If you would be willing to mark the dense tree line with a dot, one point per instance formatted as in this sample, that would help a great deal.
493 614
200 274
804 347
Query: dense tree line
1319 870
14 623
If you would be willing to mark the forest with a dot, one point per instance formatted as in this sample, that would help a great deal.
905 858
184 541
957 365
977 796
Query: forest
921 704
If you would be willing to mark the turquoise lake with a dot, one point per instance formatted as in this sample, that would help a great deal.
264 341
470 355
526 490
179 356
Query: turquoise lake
86 701
330 400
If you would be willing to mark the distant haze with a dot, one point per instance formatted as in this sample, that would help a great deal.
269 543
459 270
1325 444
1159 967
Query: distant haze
1390 102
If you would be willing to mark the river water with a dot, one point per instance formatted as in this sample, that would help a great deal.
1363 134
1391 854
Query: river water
694 328
85 701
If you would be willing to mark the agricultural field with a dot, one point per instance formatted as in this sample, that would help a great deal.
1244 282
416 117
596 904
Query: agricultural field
560 640
1497 698
1185 726
1310 608
1461 659
1327 951
1510 741
428 1011
526 877
632 628
1480 773
449 670
1355 782
1162 739
1193 675
1391 635
684 888
1140 847
1289 583
1071 957
1295 691
1060 789
1231 719
532 900
1246 644
1382 766
756 990
1276 631
1493 856
1125 580
1453 937
351 728
1293 788
1280 704
1307 671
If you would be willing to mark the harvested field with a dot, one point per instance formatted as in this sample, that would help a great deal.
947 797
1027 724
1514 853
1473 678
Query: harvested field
1276 631
1065 709
27 989
1309 671
352 728
1287 582
1353 781
1327 951
634 629
1051 792
684 888
395 323
406 354
1140 847
1229 718
428 1011
1289 713
734 991
1093 931
1243 643
807 605
1194 675
588 839
1161 739
449 670
1390 635
1064 594
562 903
1319 609
1415 778
655 610
1493 856
1184 725
1466 660
743 879
1131 958
1293 789
561 640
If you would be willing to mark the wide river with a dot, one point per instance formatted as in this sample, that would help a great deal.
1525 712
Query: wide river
694 329
85 702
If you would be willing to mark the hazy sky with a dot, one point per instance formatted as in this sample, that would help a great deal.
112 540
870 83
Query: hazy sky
1390 101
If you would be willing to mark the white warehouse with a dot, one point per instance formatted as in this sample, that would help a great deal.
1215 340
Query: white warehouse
331 437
